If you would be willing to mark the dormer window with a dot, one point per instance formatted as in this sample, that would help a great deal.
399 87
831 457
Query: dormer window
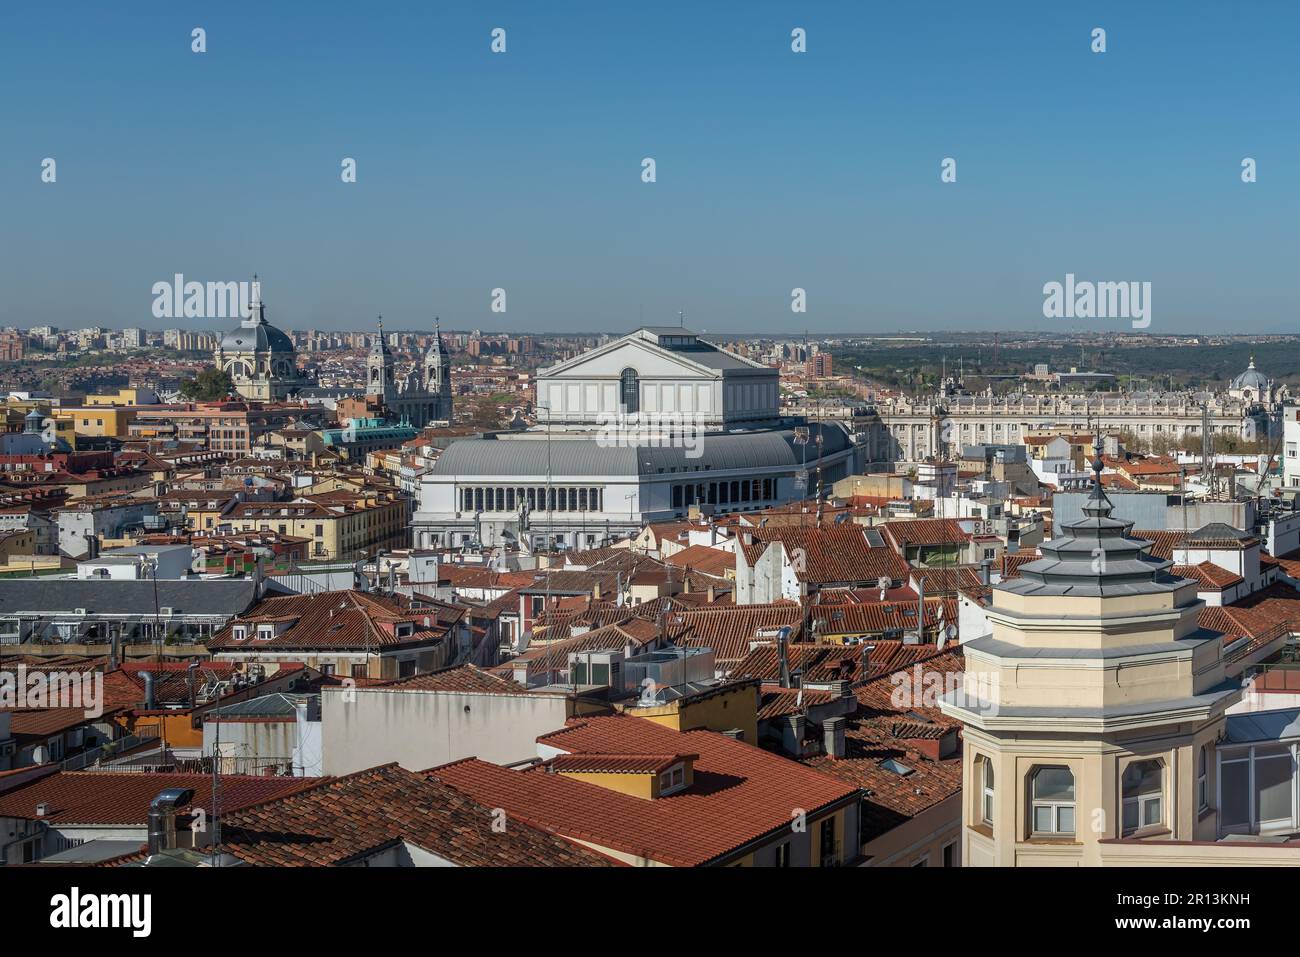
240 633
405 630
265 632
672 780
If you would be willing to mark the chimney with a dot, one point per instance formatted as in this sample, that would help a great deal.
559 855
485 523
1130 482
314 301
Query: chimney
783 655
712 595
866 661
162 818
149 701
114 651
190 681
833 736
985 577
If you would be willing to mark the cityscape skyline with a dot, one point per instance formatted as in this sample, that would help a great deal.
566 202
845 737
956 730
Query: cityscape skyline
521 171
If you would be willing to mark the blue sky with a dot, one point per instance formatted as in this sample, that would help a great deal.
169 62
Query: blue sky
775 170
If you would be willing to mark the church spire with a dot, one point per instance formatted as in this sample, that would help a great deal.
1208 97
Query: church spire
255 313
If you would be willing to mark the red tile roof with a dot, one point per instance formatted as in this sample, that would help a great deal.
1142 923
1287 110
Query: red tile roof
833 554
740 793
729 630
329 620
1208 576
459 678
617 763
337 820
107 797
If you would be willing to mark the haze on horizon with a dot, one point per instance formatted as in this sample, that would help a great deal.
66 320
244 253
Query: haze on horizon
775 170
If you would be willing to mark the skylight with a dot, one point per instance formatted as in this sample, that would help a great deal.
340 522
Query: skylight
897 767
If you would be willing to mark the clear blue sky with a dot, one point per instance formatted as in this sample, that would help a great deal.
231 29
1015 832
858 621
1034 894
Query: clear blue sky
775 169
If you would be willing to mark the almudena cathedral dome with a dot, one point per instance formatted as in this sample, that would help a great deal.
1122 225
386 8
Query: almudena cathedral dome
644 428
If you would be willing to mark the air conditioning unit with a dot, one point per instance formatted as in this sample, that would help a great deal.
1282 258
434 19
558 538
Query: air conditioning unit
165 611
79 611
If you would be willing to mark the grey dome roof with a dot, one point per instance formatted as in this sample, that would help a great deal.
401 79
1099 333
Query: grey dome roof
1252 378
256 335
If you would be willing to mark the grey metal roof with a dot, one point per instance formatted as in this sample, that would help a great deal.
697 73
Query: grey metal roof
720 451
273 705
1219 531
1183 647
51 598
1094 556
1256 726
260 337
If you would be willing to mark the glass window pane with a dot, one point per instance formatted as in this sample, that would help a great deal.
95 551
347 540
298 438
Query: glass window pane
1130 815
1053 784
988 775
1142 777
1234 807
1065 817
1151 812
1042 819
1273 789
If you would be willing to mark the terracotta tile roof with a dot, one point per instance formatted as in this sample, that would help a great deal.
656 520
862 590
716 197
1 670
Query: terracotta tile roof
1278 602
466 677
883 740
45 722
337 820
618 763
703 558
819 663
1163 542
880 617
729 630
925 531
740 793
553 657
1208 576
106 798
834 554
1237 623
777 702
951 579
334 619
1011 562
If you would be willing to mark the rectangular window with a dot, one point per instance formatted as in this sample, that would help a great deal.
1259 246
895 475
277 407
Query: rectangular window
1202 778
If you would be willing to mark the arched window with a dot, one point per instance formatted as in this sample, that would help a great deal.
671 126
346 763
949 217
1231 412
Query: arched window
1143 783
986 785
1052 796
630 391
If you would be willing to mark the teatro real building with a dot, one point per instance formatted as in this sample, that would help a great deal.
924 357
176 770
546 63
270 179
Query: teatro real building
643 428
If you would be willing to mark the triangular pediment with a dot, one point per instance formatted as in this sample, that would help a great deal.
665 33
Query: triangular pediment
648 359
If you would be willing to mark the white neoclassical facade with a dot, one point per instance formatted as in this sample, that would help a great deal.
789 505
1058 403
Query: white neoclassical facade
644 428
914 427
